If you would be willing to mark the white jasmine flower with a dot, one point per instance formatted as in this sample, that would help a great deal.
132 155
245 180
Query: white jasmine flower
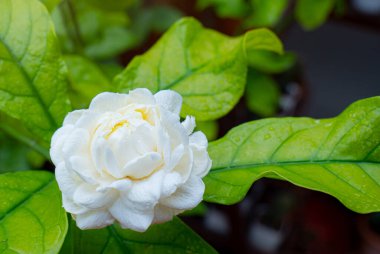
129 159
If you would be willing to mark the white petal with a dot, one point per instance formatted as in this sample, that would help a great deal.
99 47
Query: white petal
83 167
130 217
169 100
123 185
185 165
94 219
147 191
111 164
67 180
105 102
189 124
163 214
142 166
141 96
201 161
199 139
187 196
87 196
57 142
76 143
71 207
170 184
72 117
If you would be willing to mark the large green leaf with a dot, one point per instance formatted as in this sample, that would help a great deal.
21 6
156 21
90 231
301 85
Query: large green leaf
86 80
338 156
32 219
171 237
311 14
207 68
32 74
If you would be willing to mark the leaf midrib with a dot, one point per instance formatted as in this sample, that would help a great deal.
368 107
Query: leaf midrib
289 163
30 84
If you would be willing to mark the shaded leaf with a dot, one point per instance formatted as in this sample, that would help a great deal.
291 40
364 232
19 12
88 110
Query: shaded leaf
86 80
209 128
226 8
32 219
338 156
171 237
262 94
266 13
311 14
270 62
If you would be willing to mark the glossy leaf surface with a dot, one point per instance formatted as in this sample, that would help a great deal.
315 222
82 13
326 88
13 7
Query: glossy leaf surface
338 156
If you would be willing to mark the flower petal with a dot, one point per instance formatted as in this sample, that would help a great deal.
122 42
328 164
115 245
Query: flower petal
187 196
72 117
163 214
87 196
189 124
67 181
94 219
169 100
130 216
57 143
142 166
141 96
105 102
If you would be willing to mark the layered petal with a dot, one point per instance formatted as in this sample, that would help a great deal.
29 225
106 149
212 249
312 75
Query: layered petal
169 100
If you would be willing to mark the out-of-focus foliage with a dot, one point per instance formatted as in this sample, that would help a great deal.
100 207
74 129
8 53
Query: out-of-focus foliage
226 8
209 128
271 13
262 94
86 80
104 29
311 14
266 13
92 29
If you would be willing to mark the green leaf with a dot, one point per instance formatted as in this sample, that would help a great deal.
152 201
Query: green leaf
266 13
32 74
157 19
262 94
50 4
12 155
171 237
86 80
338 156
226 8
270 62
32 219
99 33
209 128
311 14
207 68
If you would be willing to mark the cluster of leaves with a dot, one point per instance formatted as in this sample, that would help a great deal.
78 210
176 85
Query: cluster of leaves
257 13
39 85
